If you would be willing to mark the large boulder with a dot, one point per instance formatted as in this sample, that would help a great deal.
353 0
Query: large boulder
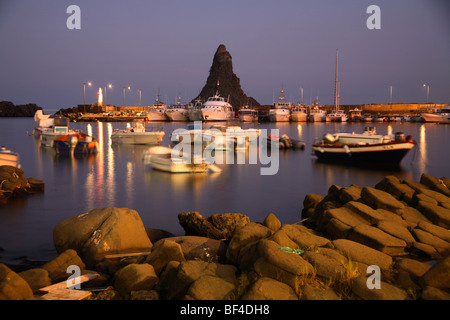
201 248
101 232
135 277
218 226
57 267
178 278
269 289
379 199
163 252
13 286
364 254
438 276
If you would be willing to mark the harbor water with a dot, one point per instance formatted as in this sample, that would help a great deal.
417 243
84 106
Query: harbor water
117 177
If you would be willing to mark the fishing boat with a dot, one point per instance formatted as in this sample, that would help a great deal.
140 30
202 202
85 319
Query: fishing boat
248 115
157 112
299 114
438 116
281 110
9 157
355 114
336 116
368 147
136 134
166 159
316 114
177 113
217 109
76 143
59 129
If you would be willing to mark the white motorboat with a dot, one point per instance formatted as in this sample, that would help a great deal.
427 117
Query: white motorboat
299 114
136 134
177 113
438 116
9 158
336 116
368 147
217 109
316 114
221 137
60 129
281 110
355 114
248 115
169 160
157 112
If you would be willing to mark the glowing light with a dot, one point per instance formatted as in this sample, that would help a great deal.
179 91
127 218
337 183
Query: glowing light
100 97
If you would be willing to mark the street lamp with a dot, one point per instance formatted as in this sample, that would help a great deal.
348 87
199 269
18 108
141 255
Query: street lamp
428 90
106 86
84 91
129 88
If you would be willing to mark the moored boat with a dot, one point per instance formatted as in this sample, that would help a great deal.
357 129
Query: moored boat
217 109
281 110
137 134
59 129
248 115
9 157
299 114
316 114
76 143
367 147
166 159
438 116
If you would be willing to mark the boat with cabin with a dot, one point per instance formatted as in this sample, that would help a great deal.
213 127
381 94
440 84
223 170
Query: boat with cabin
217 109
367 147
299 113
136 134
157 112
248 115
177 112
281 110
317 114
438 115
59 129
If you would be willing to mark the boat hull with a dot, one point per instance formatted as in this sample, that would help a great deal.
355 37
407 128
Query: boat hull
156 116
213 115
195 115
279 116
383 154
299 117
177 116
137 137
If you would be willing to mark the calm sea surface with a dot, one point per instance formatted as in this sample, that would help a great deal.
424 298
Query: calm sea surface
117 177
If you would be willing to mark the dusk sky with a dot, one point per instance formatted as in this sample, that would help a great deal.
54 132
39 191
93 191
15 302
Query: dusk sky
169 45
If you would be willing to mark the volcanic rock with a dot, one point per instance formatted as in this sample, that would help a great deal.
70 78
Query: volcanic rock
221 72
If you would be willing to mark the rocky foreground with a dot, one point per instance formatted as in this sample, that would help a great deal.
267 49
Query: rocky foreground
14 184
391 242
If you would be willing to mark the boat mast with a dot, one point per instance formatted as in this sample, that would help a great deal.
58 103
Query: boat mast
336 84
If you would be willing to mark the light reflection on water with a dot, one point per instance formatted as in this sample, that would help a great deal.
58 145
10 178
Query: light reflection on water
116 176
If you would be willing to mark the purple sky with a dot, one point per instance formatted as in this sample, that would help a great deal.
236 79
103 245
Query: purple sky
169 45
